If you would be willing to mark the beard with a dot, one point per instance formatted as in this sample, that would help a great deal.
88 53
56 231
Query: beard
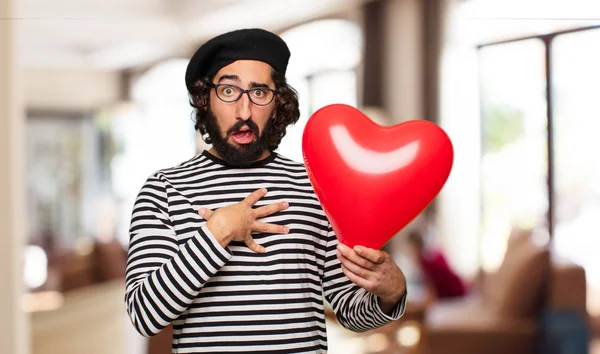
239 155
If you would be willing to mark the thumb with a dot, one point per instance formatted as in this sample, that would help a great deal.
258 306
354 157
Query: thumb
249 241
205 213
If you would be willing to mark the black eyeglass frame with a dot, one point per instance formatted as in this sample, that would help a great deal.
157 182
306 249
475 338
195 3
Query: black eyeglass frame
242 92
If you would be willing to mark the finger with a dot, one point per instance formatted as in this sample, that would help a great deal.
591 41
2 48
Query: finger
362 282
354 268
270 209
249 241
375 256
205 213
269 228
253 197
355 258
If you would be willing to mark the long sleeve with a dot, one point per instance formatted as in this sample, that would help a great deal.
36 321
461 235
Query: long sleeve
162 277
356 309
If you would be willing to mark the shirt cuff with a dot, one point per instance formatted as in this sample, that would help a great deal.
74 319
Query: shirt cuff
207 236
398 311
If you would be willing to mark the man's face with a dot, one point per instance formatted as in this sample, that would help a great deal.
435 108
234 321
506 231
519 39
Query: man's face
239 130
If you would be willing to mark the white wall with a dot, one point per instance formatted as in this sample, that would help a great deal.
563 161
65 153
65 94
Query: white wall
459 204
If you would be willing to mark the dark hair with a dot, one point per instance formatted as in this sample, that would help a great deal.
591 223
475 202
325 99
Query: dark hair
286 105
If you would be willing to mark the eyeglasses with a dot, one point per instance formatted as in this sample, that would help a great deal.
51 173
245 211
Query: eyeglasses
260 96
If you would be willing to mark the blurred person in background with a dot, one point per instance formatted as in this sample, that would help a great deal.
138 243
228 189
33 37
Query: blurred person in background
232 246
440 279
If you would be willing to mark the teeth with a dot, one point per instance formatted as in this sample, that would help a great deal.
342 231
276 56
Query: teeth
244 134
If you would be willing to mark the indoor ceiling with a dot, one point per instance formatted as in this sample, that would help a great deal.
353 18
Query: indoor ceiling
486 21
114 35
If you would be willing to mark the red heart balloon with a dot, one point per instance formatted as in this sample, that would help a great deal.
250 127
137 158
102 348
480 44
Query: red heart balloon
373 180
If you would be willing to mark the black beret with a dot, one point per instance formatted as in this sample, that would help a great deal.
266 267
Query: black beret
244 44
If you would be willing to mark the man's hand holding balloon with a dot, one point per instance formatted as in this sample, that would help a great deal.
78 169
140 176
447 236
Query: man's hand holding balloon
374 271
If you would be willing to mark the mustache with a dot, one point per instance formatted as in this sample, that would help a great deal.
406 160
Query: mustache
239 125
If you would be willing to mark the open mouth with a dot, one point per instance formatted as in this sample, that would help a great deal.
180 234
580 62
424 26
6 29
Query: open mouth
243 137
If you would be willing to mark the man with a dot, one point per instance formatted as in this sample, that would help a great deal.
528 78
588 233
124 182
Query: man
232 246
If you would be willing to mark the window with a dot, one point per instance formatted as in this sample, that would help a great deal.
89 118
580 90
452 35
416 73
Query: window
60 158
155 131
539 143
514 143
323 69
576 123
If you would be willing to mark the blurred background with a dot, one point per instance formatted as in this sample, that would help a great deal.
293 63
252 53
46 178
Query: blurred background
92 100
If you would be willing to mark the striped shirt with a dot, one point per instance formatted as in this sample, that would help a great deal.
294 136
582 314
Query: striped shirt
223 300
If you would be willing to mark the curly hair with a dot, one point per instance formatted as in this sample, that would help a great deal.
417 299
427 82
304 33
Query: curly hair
286 105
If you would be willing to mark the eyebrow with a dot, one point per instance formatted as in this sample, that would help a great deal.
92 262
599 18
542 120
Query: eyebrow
253 84
258 84
229 77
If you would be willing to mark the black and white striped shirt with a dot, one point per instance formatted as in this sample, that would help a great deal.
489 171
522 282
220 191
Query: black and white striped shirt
232 299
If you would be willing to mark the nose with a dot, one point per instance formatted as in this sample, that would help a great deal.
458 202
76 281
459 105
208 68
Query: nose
244 105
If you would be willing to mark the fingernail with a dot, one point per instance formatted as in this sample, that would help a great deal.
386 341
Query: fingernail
264 190
202 212
286 205
340 247
286 229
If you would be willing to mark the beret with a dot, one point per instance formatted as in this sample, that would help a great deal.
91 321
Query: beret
244 44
